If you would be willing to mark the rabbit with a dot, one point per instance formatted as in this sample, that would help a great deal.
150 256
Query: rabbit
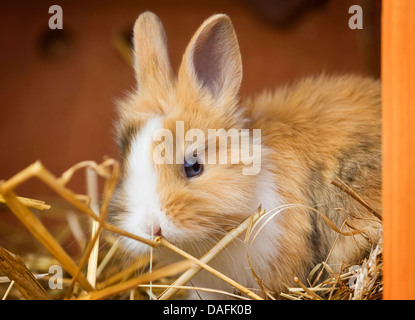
313 131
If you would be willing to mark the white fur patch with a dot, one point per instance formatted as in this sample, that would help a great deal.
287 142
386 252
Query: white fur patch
143 205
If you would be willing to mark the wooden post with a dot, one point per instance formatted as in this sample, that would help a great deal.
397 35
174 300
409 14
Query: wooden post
398 98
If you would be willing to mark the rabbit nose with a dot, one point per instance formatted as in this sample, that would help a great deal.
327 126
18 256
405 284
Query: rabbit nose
152 227
157 231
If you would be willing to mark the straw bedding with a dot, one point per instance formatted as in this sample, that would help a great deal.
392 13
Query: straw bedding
71 235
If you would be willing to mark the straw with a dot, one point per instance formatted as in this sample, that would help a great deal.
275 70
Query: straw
112 278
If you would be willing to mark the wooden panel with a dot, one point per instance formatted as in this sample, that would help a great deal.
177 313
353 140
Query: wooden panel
398 76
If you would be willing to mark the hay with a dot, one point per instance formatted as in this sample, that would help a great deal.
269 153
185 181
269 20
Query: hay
95 267
357 282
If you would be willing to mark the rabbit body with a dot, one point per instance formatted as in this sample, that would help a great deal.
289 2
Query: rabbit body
312 132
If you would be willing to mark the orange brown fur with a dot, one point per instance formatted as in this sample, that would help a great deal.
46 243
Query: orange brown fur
312 132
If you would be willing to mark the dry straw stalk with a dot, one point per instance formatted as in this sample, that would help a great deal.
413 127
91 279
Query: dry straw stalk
14 268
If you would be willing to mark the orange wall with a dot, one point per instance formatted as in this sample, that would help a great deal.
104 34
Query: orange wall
398 77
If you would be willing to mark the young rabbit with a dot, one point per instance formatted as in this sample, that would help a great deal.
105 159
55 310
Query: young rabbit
317 130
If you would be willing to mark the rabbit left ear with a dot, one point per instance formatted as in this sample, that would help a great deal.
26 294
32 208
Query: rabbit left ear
152 65
212 60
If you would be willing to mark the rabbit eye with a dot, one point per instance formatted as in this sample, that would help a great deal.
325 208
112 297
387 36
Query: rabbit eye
193 169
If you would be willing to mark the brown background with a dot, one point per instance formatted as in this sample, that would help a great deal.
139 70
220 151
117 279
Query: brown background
57 88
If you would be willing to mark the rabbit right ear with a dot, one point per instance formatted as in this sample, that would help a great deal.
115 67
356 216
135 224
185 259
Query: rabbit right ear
212 60
152 65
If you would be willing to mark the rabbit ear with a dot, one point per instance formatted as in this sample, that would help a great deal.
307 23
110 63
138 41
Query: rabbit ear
152 65
212 59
